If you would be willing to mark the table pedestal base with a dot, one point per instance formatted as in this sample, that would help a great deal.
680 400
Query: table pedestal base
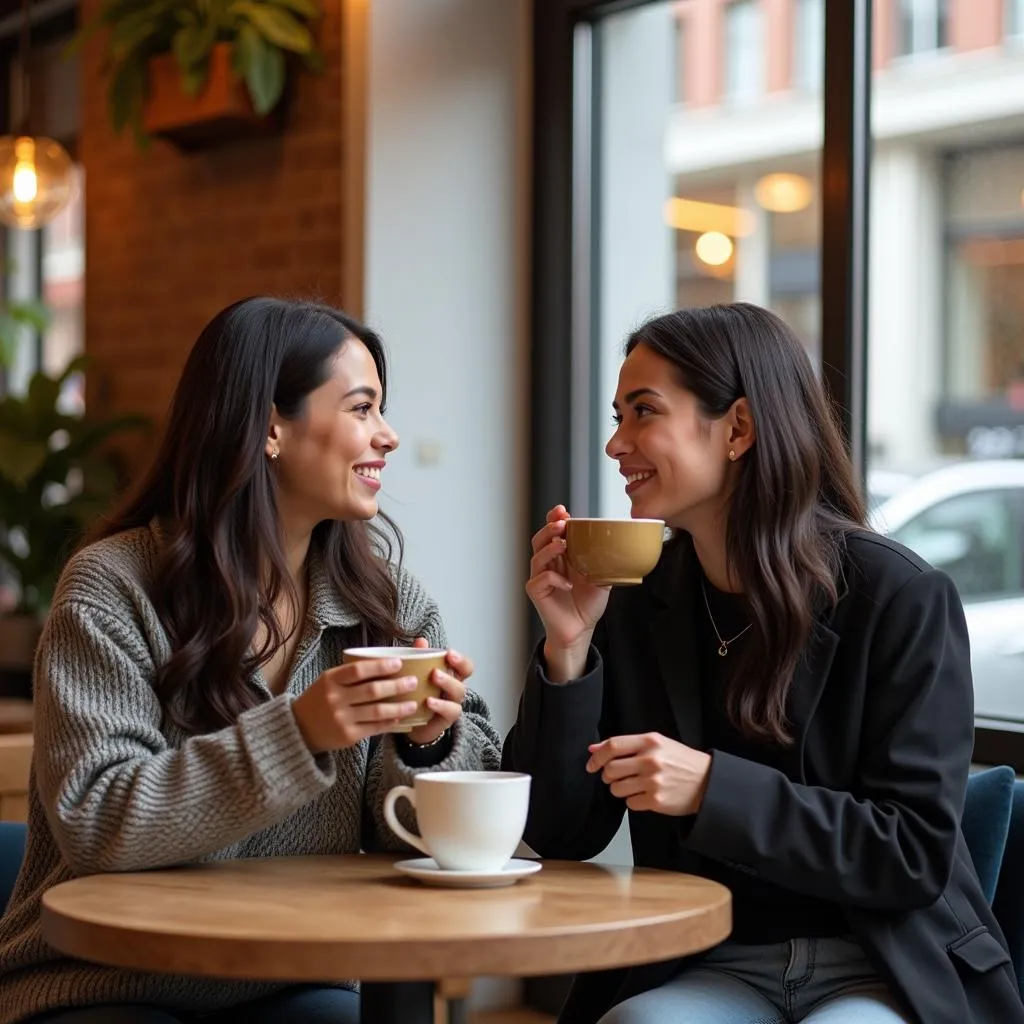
458 1011
406 1002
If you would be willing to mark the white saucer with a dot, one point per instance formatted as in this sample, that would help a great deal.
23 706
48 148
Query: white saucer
425 870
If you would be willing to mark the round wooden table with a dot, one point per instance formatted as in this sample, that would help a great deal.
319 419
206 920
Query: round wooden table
336 918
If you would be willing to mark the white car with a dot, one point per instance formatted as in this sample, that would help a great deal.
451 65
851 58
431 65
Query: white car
968 520
884 484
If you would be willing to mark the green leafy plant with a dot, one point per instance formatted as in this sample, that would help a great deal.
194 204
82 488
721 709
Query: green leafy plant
56 476
14 317
261 33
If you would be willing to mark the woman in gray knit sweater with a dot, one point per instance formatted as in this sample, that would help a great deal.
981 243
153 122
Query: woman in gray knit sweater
188 700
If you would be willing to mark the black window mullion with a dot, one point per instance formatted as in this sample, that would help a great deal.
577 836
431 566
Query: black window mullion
846 159
551 257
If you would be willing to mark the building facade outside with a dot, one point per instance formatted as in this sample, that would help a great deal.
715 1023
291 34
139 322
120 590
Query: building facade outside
946 280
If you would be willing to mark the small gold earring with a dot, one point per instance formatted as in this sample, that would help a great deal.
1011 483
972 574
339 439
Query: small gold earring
275 454
732 455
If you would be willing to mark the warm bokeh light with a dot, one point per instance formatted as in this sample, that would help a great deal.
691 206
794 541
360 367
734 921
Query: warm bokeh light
783 193
695 215
713 248
26 184
37 180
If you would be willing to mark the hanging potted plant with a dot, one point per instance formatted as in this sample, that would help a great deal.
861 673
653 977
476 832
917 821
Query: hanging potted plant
199 71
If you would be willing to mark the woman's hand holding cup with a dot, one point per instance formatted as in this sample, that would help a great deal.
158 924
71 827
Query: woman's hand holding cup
446 708
349 703
568 605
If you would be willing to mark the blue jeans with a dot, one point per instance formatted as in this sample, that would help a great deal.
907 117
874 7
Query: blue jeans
308 1004
816 981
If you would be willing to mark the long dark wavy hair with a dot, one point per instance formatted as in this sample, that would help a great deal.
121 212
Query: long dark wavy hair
222 565
795 499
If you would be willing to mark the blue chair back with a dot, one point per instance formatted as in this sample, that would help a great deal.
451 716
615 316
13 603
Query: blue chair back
12 852
1008 904
986 822
993 827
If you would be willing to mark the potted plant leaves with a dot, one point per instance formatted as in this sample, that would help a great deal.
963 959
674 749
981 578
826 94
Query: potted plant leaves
201 71
57 474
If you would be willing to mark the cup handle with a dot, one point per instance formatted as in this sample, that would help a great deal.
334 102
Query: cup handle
391 818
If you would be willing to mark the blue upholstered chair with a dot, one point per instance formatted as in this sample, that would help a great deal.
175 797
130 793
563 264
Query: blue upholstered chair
1009 899
993 827
12 851
986 822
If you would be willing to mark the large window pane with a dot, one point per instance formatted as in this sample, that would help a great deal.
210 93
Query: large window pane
708 185
809 45
743 59
946 321
63 292
1015 18
921 26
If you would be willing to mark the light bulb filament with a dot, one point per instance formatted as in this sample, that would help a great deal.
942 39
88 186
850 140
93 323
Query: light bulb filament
25 184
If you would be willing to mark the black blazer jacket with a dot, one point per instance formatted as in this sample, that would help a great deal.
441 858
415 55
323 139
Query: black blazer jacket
866 812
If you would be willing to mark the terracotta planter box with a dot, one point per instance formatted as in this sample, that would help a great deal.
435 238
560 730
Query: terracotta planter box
220 112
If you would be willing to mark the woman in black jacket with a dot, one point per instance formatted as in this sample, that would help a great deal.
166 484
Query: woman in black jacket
784 705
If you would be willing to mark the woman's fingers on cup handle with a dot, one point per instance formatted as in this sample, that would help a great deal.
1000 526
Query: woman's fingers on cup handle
447 710
450 686
558 513
546 534
353 673
459 665
379 689
543 558
543 583
368 714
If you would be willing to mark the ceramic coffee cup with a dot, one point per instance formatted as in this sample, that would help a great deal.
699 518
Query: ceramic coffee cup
613 552
416 661
468 821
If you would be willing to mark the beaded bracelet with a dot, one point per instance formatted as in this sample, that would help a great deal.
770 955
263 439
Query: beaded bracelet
423 746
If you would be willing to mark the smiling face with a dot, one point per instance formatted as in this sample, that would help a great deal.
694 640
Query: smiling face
331 455
674 458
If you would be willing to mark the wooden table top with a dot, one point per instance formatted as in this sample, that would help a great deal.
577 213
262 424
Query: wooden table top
333 918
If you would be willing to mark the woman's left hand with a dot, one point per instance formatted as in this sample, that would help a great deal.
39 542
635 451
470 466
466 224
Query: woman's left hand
447 708
652 773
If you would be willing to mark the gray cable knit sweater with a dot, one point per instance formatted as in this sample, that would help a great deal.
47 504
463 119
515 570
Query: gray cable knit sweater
115 788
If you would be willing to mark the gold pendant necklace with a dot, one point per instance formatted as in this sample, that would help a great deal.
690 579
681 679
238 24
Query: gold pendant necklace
723 645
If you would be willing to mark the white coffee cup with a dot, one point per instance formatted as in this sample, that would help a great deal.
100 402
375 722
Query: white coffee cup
468 821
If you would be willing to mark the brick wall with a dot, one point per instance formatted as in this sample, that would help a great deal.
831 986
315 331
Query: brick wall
171 237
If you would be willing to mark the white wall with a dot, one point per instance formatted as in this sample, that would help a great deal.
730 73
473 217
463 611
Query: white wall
446 284
446 228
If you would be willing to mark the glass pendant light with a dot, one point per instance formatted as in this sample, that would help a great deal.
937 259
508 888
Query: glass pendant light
37 177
